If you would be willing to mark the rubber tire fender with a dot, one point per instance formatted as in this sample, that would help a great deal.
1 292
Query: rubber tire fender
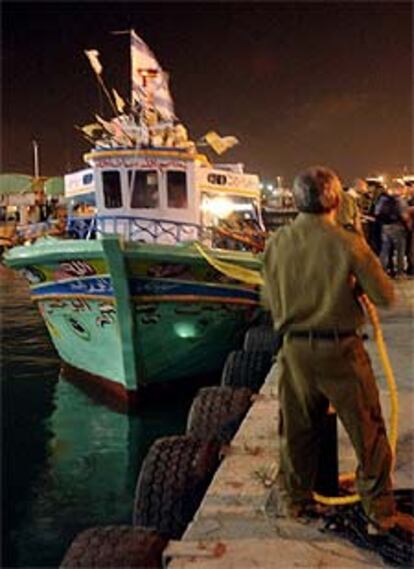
174 477
216 412
262 339
116 546
246 369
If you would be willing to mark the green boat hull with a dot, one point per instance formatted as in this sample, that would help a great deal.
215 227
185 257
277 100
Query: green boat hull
137 315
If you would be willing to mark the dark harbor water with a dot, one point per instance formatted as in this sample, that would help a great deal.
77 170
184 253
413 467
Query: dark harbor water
68 462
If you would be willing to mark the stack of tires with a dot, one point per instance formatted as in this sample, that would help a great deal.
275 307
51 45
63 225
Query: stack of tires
178 470
116 546
250 366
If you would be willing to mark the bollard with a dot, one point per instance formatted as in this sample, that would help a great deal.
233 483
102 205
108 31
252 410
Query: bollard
327 478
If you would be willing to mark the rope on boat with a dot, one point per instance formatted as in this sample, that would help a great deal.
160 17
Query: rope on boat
255 245
236 272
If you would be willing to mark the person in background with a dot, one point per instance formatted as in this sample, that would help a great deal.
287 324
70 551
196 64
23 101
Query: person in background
374 225
392 212
360 191
8 235
41 206
347 214
410 233
59 226
313 272
52 207
33 214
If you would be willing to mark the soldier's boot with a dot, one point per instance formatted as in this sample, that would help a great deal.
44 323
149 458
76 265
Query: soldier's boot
306 511
398 521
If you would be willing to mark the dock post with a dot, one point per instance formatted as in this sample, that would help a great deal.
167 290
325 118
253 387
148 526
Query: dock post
327 480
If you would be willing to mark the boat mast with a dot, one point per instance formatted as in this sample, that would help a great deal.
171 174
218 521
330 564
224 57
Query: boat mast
36 159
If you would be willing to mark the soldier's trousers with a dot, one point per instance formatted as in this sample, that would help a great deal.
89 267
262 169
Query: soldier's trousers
310 372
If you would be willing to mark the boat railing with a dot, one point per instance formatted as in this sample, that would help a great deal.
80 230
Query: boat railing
32 230
273 218
81 227
134 229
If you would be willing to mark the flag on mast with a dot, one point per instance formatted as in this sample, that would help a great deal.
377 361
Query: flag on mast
119 101
92 55
91 129
220 143
149 81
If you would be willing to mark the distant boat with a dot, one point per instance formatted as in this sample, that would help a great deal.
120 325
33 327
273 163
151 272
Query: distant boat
19 195
144 291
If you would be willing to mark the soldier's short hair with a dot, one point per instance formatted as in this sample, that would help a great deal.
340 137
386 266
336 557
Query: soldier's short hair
317 190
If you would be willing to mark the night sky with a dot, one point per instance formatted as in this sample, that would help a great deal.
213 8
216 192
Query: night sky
298 83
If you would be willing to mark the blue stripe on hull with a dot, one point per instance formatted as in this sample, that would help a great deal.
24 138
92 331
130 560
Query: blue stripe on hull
163 287
102 286
97 286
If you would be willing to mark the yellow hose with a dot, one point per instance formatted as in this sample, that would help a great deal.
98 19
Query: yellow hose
251 276
392 388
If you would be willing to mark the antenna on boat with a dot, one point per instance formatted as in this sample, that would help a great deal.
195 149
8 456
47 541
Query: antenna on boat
36 158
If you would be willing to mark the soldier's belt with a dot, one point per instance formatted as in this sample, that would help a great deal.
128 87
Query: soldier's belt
331 335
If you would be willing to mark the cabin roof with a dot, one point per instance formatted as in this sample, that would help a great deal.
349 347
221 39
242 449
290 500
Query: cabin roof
91 157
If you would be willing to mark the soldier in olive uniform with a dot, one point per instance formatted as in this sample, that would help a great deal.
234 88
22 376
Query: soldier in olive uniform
347 214
313 271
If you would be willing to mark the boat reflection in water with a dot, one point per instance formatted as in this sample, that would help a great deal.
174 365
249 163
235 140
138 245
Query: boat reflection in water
84 480
69 462
86 472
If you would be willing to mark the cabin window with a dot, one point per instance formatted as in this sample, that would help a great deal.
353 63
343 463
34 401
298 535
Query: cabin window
111 180
177 189
217 179
143 186
241 211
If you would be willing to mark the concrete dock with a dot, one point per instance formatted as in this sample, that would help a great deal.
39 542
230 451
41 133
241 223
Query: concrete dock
234 528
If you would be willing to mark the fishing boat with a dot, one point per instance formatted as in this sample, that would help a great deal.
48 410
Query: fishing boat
140 293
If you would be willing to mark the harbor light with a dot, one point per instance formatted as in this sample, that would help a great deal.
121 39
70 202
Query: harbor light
219 207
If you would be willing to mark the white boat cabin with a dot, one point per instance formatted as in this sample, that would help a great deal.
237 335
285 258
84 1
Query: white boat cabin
163 196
